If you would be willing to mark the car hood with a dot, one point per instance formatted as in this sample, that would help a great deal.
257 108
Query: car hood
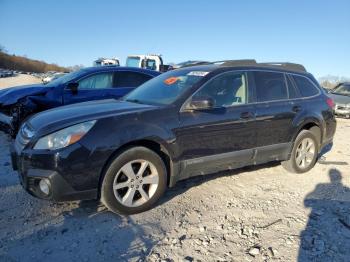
340 99
11 95
58 118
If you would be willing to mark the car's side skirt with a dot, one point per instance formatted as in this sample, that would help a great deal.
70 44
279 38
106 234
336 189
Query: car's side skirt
231 160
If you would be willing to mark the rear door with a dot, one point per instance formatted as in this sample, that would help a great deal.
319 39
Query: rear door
275 112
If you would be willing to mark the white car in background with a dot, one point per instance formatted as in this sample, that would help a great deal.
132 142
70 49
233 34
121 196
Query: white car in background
51 77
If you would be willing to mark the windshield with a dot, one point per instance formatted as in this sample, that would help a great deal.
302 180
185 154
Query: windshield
342 89
66 78
133 61
166 88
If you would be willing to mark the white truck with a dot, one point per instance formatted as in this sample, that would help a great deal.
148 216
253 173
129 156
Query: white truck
151 61
106 62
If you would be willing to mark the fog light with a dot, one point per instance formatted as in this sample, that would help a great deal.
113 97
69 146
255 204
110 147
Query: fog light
44 186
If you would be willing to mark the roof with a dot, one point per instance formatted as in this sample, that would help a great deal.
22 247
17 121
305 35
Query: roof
282 66
121 68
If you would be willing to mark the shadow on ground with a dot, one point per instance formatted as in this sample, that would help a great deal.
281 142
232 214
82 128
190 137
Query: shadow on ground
327 233
86 233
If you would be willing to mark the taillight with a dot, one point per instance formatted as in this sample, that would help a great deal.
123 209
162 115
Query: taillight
330 102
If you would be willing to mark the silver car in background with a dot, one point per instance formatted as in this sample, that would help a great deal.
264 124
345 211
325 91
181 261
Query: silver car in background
341 97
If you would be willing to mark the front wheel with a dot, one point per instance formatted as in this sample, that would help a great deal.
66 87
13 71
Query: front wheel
304 153
134 181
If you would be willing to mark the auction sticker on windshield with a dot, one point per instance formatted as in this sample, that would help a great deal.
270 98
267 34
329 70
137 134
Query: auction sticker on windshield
197 73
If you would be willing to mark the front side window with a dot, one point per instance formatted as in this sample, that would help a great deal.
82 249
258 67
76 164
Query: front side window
97 81
270 86
226 90
306 88
130 79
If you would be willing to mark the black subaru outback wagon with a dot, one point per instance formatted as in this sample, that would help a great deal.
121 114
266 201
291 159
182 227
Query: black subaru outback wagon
187 122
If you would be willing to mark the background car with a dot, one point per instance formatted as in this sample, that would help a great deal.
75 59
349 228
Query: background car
341 96
93 83
6 73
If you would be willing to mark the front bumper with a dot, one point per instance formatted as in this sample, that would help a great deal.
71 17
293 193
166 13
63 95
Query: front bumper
64 185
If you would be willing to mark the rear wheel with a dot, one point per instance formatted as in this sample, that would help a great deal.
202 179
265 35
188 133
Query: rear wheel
304 153
134 181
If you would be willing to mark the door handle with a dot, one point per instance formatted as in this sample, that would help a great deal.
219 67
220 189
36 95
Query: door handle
296 109
247 115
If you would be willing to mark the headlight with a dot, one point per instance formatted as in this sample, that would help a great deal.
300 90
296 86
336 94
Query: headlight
64 137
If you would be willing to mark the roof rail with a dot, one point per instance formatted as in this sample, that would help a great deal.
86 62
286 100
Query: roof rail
252 62
242 62
286 65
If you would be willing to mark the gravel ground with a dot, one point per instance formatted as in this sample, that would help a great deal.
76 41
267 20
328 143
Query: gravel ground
259 213
17 80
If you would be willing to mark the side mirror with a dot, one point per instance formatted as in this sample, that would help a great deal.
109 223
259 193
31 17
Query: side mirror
73 87
201 103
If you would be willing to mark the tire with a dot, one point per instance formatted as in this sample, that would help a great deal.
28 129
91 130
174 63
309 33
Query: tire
124 178
294 164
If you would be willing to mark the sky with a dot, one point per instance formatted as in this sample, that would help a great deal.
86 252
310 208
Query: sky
315 33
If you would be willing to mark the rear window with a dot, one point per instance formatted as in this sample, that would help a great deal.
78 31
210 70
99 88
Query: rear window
305 86
270 86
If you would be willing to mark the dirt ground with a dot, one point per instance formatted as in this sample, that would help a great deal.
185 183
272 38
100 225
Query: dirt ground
259 213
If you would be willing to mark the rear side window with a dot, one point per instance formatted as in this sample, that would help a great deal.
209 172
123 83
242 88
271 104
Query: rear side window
305 86
270 86
129 79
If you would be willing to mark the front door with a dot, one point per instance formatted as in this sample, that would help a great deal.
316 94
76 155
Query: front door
223 137
92 87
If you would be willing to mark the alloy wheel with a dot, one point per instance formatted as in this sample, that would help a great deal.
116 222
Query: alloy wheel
135 183
305 153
